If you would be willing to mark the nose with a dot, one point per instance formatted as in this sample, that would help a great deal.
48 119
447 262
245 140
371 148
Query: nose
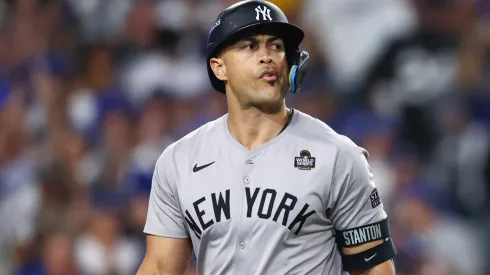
265 57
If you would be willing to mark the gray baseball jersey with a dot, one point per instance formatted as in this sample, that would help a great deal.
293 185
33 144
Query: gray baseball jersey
272 210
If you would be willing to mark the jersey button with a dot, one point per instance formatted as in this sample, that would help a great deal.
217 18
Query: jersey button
246 180
242 245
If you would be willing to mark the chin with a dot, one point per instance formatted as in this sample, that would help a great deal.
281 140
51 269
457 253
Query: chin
272 91
269 101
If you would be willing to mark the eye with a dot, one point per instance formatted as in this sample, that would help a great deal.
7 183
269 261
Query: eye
248 46
277 46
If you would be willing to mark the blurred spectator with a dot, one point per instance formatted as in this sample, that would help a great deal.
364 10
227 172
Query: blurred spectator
18 183
103 249
437 236
116 140
95 77
416 71
63 201
154 131
462 159
432 231
56 257
352 33
100 20
158 60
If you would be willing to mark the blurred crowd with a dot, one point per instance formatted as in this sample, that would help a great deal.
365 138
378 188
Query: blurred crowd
92 91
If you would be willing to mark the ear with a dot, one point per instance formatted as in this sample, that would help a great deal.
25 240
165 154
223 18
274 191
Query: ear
219 68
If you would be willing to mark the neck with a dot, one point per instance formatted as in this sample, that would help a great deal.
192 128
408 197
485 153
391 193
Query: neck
253 127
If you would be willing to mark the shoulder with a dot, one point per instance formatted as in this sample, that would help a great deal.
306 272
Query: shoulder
192 142
333 143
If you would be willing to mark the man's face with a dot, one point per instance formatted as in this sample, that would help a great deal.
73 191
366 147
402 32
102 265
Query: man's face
255 69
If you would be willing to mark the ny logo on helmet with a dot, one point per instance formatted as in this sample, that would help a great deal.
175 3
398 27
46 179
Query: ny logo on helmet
266 13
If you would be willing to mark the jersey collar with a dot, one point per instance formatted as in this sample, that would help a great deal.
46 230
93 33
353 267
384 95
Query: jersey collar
292 121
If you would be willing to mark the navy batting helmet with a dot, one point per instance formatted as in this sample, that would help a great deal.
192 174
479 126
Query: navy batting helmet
251 14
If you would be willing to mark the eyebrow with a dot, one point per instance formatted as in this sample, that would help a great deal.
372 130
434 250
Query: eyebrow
255 40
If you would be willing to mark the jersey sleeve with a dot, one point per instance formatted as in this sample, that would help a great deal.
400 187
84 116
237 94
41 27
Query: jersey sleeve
164 217
354 196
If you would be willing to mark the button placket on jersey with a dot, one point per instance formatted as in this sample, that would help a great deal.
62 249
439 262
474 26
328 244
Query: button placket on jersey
243 230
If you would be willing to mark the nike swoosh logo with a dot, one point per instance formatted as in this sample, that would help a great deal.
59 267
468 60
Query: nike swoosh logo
370 258
198 168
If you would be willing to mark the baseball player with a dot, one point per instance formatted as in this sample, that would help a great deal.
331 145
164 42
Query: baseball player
264 189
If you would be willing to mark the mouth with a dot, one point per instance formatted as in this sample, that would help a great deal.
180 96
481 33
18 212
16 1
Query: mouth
268 75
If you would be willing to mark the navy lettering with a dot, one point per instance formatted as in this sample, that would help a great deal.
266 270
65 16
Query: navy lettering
221 205
201 213
251 200
260 213
301 219
284 206
193 225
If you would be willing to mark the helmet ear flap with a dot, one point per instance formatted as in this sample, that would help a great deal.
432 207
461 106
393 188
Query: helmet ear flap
299 68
